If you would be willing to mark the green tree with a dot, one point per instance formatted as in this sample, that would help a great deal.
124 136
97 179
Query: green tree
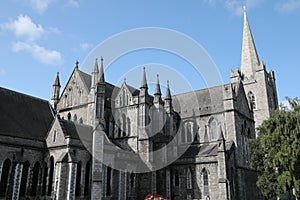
275 153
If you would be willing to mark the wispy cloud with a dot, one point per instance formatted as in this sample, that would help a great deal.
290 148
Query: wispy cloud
235 6
46 56
40 5
288 6
29 33
73 3
85 46
24 28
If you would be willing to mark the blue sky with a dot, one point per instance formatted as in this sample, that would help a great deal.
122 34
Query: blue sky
40 37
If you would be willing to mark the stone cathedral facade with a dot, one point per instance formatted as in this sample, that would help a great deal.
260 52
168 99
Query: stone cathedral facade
53 150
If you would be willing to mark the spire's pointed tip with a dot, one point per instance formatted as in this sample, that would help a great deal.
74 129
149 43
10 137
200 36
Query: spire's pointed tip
144 79
245 9
57 82
168 92
157 87
102 79
76 64
96 70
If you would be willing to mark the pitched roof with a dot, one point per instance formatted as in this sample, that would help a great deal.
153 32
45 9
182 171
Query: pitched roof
75 130
24 116
197 102
86 78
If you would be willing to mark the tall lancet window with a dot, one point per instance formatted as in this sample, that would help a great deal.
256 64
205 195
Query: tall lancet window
128 126
188 179
124 125
4 177
205 182
108 181
252 101
213 129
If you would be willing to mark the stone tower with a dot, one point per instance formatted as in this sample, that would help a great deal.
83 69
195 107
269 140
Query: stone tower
259 84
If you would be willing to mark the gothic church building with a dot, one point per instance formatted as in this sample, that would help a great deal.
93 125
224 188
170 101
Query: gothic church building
53 150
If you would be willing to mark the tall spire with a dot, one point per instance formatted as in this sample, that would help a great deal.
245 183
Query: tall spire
168 92
101 79
157 87
96 68
250 59
144 79
55 92
57 82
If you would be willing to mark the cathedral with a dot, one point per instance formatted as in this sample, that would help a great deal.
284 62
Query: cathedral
95 140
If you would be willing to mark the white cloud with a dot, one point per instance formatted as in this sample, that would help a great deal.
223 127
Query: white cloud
40 5
288 6
73 3
49 57
28 33
24 28
85 45
54 30
235 6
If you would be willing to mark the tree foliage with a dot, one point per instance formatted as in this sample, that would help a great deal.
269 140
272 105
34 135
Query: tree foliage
275 154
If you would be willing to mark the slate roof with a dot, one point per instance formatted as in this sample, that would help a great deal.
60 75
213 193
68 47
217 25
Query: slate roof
198 102
133 90
87 79
24 116
75 130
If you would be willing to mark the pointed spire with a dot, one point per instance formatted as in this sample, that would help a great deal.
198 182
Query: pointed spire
96 68
168 92
157 87
144 79
101 79
250 59
57 82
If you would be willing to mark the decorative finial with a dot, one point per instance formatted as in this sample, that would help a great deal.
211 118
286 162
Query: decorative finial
101 58
76 64
245 9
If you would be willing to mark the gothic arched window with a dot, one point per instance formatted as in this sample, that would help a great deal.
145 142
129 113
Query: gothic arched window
189 179
24 178
205 182
206 135
182 134
35 178
213 129
78 179
108 181
87 179
189 134
128 127
45 179
4 177
124 125
51 173
252 101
